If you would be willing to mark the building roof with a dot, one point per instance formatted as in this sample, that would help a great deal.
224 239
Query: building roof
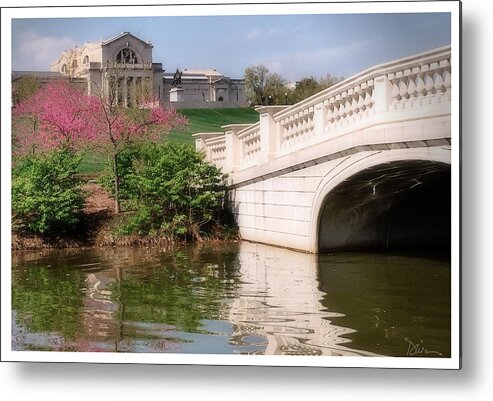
37 74
207 72
196 75
121 35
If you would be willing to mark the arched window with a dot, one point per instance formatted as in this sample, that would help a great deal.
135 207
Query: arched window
74 64
86 60
64 68
126 56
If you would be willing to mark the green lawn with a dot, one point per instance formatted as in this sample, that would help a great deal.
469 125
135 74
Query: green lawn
200 120
211 120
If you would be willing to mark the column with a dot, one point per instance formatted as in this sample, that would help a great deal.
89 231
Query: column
268 132
125 92
319 117
134 92
383 93
233 146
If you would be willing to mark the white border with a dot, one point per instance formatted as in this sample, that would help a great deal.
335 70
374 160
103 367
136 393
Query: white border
259 9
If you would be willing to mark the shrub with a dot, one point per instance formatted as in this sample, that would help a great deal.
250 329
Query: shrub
46 194
170 191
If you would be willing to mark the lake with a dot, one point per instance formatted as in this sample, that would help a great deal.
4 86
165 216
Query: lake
238 298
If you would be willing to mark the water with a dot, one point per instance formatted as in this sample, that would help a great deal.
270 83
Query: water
230 299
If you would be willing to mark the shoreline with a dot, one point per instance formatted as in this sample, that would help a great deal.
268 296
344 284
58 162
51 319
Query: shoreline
95 229
36 243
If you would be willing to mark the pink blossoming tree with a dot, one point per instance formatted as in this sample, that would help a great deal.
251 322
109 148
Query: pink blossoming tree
61 115
119 127
57 115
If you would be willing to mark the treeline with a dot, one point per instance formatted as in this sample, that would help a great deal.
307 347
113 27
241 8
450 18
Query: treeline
266 88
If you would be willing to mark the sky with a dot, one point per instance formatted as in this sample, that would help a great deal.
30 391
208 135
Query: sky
294 46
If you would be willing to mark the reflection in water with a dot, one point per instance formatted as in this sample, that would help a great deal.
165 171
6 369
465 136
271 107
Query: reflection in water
241 298
279 300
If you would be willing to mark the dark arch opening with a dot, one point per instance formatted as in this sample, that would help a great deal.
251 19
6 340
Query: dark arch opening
404 205
126 56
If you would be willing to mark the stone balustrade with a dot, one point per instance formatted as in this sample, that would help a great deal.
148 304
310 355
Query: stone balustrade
249 140
411 88
420 85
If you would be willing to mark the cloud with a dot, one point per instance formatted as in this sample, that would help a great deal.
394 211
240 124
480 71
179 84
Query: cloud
35 52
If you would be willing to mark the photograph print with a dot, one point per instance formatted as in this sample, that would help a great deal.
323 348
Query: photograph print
232 185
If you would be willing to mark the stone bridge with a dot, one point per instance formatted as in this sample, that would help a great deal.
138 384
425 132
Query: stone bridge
364 164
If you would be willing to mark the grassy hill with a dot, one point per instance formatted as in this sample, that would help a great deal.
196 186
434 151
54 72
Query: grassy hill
200 120
211 120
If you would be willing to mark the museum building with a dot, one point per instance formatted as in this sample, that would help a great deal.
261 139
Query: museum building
122 67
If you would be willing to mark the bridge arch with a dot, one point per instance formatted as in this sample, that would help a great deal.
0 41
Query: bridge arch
385 199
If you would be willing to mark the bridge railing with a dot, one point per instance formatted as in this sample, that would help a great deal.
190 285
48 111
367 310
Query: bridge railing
250 145
409 88
213 144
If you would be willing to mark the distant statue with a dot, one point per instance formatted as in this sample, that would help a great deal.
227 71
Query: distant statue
176 78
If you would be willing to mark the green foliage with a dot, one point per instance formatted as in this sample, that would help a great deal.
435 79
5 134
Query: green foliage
307 87
46 194
265 88
255 81
169 191
182 292
48 299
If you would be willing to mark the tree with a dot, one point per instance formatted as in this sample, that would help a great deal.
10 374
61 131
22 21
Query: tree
329 80
58 115
305 88
170 190
46 194
275 87
265 88
119 127
255 82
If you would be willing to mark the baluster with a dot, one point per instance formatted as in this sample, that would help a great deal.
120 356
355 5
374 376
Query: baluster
342 109
395 91
354 105
368 99
330 117
429 84
348 107
361 102
403 90
336 112
439 83
411 88
420 85
447 80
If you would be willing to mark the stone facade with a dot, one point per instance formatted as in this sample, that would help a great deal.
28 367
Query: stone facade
204 89
120 67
